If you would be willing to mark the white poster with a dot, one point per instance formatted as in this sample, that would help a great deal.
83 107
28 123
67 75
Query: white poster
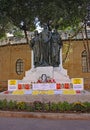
77 83
44 86
12 85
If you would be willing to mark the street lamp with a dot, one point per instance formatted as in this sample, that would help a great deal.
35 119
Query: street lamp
24 28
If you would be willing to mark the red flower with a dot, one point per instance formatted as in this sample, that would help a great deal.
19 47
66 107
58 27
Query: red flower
27 86
66 85
77 91
39 81
6 92
58 86
19 86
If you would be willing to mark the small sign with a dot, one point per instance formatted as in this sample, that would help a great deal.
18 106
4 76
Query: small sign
46 92
18 92
77 83
44 86
69 92
28 92
12 82
36 92
12 85
58 92
50 92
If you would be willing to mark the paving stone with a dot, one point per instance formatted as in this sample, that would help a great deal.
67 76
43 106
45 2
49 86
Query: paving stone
47 98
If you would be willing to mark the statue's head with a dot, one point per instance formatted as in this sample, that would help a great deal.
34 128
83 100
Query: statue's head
35 32
54 31
36 20
45 26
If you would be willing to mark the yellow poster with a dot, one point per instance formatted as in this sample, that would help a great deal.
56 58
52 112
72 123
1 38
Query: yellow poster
69 92
35 92
12 82
49 92
78 83
77 80
18 92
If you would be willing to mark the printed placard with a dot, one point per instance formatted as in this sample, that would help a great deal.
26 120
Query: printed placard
44 86
77 83
47 92
69 92
18 92
12 85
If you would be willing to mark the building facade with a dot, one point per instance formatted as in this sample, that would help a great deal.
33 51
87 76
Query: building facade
77 61
15 59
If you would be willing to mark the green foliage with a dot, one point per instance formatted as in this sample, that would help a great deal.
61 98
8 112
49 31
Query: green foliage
1 106
4 104
12 105
45 107
53 107
21 105
87 104
37 105
79 107
30 108
61 12
18 34
2 33
64 106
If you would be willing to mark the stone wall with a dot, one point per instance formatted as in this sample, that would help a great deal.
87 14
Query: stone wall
9 54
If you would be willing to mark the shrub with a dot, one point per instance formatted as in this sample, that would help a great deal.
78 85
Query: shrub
1 106
46 107
87 104
64 106
12 105
4 104
30 107
53 107
21 105
37 105
79 107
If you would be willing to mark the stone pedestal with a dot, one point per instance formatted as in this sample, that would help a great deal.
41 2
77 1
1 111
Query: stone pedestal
57 73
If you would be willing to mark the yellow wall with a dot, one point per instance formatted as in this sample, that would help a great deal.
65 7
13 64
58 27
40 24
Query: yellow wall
74 61
8 57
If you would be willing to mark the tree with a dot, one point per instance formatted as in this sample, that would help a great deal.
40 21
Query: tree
61 12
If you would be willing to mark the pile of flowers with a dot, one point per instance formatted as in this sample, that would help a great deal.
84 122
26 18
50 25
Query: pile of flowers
48 80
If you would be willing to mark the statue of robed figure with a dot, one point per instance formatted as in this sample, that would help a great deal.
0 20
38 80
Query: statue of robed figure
46 46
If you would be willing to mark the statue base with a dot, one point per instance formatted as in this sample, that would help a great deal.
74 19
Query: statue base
58 74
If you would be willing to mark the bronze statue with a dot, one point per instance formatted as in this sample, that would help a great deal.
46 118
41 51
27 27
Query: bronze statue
35 45
45 37
46 47
56 45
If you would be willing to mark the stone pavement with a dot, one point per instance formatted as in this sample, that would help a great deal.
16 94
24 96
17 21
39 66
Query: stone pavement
60 116
85 97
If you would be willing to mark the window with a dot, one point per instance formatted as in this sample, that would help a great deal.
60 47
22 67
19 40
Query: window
84 61
19 66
